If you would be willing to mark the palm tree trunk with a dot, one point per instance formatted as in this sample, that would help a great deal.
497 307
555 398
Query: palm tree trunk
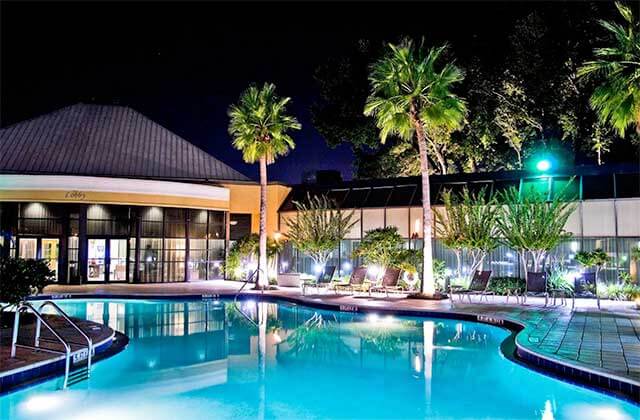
428 283
263 280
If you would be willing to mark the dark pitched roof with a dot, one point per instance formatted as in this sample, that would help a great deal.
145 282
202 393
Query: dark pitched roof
99 140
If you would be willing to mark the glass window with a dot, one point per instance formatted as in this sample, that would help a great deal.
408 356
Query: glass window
627 185
152 221
536 186
454 189
337 196
151 260
198 224
49 253
28 248
198 259
598 186
72 259
480 187
378 197
174 223
356 198
217 226
401 196
240 226
565 188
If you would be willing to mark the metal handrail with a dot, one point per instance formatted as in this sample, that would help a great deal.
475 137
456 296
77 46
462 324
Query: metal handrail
73 324
23 307
235 299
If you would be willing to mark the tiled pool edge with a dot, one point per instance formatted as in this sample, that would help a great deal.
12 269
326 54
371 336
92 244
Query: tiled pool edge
624 388
34 374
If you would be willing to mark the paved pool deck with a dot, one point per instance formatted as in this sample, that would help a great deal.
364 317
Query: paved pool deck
604 342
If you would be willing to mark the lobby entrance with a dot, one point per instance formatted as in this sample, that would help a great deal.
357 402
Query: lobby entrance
107 260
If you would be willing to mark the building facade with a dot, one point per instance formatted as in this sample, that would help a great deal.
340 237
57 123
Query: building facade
104 194
607 215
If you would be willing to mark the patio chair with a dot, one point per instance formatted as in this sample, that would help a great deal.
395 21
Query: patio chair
585 286
478 286
389 282
356 281
322 281
536 286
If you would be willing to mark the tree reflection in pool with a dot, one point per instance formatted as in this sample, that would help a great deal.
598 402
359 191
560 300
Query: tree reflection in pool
196 359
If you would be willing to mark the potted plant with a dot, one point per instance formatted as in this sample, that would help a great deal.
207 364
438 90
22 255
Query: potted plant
592 259
633 263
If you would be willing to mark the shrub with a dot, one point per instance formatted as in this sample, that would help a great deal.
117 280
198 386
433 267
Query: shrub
501 285
468 223
622 291
560 279
531 225
380 246
319 227
20 278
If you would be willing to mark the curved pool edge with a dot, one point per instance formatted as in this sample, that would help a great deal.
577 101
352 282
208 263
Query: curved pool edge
624 388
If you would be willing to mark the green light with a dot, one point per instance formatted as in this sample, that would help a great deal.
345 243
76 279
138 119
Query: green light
543 165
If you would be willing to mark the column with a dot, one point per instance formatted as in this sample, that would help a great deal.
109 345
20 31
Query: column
187 256
63 251
136 256
83 252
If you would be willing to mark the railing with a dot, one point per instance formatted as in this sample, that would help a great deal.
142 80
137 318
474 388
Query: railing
23 307
235 299
73 324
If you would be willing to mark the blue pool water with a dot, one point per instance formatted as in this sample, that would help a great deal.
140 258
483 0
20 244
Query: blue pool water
196 360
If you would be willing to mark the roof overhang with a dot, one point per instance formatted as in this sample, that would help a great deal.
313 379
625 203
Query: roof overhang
104 190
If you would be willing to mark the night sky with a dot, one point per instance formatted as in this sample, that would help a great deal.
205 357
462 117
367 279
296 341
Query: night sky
183 64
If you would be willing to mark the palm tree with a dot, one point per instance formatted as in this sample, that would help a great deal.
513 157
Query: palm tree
410 91
259 127
617 98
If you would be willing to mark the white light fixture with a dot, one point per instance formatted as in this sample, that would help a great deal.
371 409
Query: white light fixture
317 268
574 246
346 266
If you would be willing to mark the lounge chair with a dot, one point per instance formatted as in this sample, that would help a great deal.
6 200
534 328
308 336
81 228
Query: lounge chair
536 286
479 286
389 282
585 286
322 281
356 281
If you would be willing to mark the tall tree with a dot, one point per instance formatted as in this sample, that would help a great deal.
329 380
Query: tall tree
514 117
410 89
318 227
617 98
260 128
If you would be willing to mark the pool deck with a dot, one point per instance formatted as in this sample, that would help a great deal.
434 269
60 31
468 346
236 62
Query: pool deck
32 365
602 342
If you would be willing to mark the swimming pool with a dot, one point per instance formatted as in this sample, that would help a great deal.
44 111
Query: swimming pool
197 360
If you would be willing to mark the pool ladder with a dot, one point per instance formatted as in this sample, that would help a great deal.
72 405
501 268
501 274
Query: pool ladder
82 371
235 299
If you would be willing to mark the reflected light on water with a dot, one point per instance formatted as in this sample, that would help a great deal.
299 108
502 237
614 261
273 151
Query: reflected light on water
599 412
548 411
43 403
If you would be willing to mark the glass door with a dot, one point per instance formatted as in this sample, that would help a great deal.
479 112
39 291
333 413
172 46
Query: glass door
28 248
117 260
49 253
96 263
